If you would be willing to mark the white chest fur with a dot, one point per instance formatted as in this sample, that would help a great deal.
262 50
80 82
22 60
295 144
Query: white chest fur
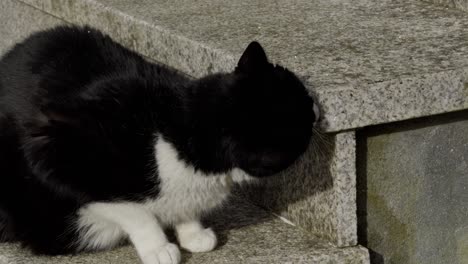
185 194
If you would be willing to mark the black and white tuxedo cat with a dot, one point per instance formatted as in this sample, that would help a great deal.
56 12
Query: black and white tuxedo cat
99 146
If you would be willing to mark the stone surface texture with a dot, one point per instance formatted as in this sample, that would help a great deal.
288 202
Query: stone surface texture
367 62
459 4
18 21
318 193
417 191
247 234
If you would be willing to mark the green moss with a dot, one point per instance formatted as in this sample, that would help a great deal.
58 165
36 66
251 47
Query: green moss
462 246
387 233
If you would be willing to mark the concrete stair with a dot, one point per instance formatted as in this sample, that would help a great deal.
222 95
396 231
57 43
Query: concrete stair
366 62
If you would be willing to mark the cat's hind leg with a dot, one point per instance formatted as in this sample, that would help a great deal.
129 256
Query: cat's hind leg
194 237
131 220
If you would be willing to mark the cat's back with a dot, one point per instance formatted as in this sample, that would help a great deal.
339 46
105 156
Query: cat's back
65 59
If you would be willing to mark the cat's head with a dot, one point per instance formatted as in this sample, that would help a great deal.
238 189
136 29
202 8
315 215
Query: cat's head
271 115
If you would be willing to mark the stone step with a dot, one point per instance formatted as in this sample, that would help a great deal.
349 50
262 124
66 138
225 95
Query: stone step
247 234
317 194
459 4
368 62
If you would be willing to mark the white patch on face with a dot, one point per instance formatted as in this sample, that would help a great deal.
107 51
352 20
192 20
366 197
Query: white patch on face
185 194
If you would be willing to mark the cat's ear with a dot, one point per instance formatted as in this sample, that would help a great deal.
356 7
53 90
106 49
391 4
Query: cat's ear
253 59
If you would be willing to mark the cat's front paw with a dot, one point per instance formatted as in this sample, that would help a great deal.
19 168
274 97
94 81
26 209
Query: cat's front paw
203 240
167 254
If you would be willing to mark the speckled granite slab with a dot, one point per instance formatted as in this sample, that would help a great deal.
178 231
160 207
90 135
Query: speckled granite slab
318 193
17 21
368 62
459 4
247 235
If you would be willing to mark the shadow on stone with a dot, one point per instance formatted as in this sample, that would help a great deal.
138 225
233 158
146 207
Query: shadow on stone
413 124
375 258
295 192
235 214
361 188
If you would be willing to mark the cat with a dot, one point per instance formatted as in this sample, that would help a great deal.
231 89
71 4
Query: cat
98 146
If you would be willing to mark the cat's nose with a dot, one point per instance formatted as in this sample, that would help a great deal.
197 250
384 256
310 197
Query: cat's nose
316 113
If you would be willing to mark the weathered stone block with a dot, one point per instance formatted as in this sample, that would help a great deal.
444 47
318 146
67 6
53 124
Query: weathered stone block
416 206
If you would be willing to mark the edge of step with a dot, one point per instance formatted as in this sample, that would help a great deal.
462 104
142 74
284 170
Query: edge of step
345 106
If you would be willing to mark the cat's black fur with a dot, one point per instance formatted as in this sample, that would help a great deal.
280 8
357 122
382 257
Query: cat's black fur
79 115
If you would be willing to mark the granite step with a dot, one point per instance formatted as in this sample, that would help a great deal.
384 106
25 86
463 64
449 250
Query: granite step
247 234
458 4
368 62
317 194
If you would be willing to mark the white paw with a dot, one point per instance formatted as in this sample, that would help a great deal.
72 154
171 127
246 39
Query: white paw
202 241
167 254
